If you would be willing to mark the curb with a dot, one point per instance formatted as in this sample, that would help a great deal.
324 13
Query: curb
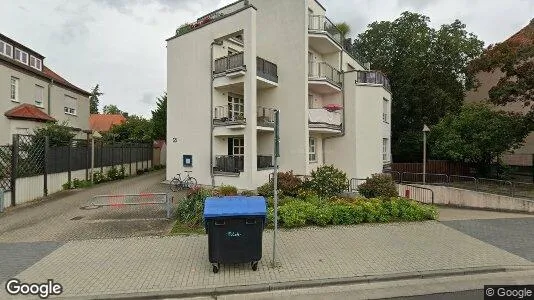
274 286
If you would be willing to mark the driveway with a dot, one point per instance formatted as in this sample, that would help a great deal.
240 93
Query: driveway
60 218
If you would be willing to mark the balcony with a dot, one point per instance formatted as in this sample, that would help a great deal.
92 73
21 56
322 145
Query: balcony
324 36
265 162
229 163
373 77
222 116
233 66
265 118
323 78
323 121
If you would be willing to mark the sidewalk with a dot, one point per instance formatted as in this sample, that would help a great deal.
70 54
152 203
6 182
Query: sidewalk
178 266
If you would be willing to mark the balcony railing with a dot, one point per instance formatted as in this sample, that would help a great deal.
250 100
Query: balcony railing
229 163
322 118
266 69
222 115
265 116
223 11
322 23
227 63
265 161
374 77
322 70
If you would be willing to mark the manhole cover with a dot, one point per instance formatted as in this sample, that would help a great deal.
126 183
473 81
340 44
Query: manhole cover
77 218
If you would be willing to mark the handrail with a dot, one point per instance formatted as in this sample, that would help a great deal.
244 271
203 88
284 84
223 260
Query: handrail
324 70
373 77
322 23
412 195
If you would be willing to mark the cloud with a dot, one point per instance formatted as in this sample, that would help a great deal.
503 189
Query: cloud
148 98
127 6
75 25
418 4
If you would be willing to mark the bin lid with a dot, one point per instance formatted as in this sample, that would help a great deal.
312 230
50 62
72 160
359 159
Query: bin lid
235 206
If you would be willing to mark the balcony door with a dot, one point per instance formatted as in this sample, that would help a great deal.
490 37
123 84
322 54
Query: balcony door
236 146
236 107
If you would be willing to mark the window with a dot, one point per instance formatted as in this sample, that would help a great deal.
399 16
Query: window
14 89
21 56
312 150
6 49
39 95
385 150
236 107
35 63
236 146
70 105
385 110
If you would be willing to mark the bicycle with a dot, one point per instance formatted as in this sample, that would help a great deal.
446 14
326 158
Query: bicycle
187 183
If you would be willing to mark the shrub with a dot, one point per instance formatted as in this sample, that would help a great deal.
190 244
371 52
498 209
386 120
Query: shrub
113 173
379 185
146 170
322 215
247 193
305 193
139 172
78 184
347 214
190 209
98 177
327 181
267 190
122 173
227 190
288 183
67 185
295 213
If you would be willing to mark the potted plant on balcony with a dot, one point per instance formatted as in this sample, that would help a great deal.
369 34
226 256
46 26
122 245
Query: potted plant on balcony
333 107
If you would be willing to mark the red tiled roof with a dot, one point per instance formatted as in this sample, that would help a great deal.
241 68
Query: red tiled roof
103 123
53 75
28 112
525 36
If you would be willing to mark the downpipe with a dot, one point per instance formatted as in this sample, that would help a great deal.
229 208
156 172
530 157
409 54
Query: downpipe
212 175
323 141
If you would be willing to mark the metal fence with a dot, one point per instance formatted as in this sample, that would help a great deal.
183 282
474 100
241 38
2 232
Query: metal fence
5 167
417 193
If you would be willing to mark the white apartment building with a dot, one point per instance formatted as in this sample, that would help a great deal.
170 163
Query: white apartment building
230 69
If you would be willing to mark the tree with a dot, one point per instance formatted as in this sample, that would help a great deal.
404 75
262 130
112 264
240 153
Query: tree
427 68
159 118
58 134
112 109
94 99
515 58
479 135
344 28
136 129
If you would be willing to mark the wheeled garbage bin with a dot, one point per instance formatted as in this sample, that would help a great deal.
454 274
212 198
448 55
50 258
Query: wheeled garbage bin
235 227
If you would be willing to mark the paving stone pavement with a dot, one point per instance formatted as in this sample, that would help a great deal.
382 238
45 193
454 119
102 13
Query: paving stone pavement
151 264
515 235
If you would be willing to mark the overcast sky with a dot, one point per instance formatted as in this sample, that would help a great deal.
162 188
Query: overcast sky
121 43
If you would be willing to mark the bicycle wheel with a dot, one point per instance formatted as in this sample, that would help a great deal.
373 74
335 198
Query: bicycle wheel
175 184
190 183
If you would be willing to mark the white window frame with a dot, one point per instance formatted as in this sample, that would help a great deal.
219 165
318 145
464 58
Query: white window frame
312 150
238 146
385 156
39 96
21 56
385 113
70 110
14 89
3 49
236 106
37 63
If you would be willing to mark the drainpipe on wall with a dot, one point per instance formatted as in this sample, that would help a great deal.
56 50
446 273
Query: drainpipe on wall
215 42
343 110
49 96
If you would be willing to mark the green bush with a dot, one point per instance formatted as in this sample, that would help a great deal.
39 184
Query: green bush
227 190
122 173
288 183
190 209
113 173
139 172
99 177
347 214
322 215
67 185
295 213
327 181
267 190
247 193
78 184
379 185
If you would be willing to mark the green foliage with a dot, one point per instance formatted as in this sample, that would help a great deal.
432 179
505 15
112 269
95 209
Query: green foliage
113 173
78 184
159 167
122 173
327 181
427 67
184 28
159 119
478 134
94 99
139 172
247 193
58 134
99 177
344 28
379 185
288 183
227 190
135 130
112 109
295 213
190 209
267 190
67 185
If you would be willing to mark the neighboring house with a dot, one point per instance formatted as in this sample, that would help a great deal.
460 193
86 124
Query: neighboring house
487 80
32 94
103 122
267 55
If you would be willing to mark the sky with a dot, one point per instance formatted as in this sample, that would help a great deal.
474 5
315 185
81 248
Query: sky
120 44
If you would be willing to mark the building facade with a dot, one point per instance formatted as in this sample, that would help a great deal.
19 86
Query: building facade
32 94
231 69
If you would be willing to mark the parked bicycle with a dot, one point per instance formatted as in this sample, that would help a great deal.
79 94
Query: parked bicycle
177 183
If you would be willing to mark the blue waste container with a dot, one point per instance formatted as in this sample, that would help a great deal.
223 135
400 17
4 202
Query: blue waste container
234 225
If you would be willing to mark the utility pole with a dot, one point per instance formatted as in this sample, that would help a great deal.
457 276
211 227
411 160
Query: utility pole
275 178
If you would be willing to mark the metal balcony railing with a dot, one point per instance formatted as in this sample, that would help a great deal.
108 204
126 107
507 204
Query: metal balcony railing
223 11
229 163
374 77
322 23
230 62
322 70
265 116
266 69
265 161
222 115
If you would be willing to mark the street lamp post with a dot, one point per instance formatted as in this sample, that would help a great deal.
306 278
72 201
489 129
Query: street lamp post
425 130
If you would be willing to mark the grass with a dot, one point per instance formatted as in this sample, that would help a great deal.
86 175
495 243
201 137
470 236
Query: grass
184 229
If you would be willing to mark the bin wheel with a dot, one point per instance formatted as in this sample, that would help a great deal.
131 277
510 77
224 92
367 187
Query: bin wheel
216 268
254 265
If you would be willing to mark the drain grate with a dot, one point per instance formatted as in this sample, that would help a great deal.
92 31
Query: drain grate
77 218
